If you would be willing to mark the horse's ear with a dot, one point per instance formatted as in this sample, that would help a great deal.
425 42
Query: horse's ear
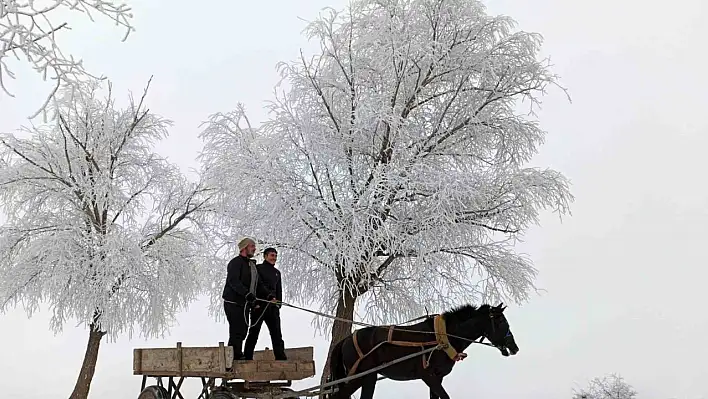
501 304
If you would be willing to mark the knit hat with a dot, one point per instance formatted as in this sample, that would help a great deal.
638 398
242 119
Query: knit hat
244 242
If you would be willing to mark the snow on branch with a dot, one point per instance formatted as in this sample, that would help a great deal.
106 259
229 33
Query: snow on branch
395 165
28 30
99 226
611 386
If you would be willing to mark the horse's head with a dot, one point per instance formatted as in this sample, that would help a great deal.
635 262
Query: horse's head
471 322
497 330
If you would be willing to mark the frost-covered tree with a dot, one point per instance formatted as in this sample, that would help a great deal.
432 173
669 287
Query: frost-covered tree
611 386
99 227
29 30
393 170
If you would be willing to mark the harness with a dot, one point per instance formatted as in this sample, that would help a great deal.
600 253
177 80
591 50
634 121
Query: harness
441 339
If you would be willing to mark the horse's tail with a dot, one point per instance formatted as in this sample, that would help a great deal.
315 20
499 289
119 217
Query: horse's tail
337 371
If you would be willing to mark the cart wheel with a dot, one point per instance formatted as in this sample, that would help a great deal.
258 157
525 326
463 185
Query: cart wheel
154 392
221 394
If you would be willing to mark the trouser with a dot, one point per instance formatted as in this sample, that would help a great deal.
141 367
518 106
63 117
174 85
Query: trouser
270 314
238 326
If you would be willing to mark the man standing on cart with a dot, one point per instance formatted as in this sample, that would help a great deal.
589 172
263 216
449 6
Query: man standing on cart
241 288
267 312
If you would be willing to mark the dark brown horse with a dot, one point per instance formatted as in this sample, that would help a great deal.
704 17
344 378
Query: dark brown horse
371 347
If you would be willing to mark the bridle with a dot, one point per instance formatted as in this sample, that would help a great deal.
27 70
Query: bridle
501 347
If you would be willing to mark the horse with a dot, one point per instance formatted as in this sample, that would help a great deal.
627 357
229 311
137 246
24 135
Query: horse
449 333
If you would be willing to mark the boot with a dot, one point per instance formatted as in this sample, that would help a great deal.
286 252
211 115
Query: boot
279 353
238 350
248 350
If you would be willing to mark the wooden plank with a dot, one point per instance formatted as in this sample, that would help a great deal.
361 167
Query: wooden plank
273 376
247 367
222 357
273 370
211 362
301 354
137 361
256 370
180 358
159 361
304 370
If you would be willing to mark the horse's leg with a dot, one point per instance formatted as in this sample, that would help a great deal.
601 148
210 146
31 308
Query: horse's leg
436 388
345 391
368 385
434 395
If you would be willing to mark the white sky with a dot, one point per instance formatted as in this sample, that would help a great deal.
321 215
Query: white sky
623 274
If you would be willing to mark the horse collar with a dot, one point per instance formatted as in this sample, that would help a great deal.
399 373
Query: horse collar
442 338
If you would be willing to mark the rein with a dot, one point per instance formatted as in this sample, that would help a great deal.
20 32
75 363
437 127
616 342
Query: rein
396 327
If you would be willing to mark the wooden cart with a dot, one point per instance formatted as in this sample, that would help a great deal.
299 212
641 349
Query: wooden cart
261 378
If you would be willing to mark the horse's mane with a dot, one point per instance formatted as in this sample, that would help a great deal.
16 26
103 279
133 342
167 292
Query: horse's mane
463 313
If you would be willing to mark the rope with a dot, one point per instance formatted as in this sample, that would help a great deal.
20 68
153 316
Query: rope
304 392
245 316
372 325
334 317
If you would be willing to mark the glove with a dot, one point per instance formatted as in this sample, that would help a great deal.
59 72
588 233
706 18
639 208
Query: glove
250 297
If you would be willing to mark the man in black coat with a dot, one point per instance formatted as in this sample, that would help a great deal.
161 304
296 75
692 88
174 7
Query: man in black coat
267 312
240 291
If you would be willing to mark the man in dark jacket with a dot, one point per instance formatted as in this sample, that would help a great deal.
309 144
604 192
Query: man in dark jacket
267 312
240 291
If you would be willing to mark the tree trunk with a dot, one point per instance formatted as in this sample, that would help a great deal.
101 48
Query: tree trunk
88 367
340 329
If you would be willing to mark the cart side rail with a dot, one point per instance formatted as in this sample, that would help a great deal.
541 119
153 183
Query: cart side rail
215 362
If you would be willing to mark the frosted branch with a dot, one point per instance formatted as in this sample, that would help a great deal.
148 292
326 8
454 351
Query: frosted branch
100 228
612 386
27 30
396 164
